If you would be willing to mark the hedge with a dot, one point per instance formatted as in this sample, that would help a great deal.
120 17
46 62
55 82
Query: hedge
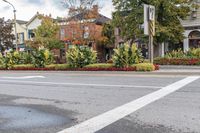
177 61
58 66
100 65
93 67
145 67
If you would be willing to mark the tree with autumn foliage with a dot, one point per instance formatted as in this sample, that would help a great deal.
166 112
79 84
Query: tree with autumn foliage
6 36
82 14
129 17
108 34
46 35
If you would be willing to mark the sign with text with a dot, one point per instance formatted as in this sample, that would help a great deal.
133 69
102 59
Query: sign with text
149 18
146 20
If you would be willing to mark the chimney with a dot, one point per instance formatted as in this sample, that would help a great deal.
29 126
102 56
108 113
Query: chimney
95 9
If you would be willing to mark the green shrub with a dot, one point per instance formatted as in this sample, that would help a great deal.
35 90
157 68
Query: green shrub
1 67
125 56
1 59
194 53
62 66
176 61
7 61
99 65
175 54
144 67
58 66
51 66
49 58
178 54
55 44
23 66
26 58
78 57
191 57
40 58
16 57
21 57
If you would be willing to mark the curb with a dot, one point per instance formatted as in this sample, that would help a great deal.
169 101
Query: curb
178 67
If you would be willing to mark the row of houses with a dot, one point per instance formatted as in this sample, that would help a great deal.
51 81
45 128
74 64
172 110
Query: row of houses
69 30
92 26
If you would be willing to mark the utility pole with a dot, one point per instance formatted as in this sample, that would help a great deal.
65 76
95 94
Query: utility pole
15 23
149 28
151 31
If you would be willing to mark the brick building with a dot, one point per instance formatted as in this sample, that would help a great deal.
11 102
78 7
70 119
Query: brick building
85 28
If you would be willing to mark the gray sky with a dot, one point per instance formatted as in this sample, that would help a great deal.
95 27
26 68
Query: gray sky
26 9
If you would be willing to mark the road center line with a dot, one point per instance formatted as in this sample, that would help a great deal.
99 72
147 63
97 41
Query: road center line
99 122
78 84
24 77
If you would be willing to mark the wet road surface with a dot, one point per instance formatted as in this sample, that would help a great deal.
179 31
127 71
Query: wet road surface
64 99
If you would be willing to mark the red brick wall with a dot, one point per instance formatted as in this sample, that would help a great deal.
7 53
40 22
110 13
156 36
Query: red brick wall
75 31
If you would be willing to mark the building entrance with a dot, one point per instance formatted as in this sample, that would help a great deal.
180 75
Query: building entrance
194 39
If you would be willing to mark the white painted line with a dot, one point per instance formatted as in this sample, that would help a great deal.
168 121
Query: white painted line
78 84
24 77
99 122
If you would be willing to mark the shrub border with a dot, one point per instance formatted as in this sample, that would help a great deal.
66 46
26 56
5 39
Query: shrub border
75 69
177 61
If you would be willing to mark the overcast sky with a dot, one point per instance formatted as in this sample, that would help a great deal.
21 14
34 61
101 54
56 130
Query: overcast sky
26 9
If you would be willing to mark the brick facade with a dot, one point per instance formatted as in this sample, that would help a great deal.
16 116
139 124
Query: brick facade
82 30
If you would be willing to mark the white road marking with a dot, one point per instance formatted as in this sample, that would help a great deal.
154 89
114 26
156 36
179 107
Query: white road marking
99 122
24 77
78 84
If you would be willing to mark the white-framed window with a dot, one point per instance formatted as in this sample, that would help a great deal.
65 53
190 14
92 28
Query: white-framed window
86 32
62 34
21 38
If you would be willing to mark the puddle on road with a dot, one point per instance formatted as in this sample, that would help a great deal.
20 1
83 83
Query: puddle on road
24 117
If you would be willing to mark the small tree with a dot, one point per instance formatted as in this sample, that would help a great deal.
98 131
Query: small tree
129 17
46 34
108 34
6 36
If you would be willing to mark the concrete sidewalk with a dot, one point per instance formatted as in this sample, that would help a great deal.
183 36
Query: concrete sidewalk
178 70
179 67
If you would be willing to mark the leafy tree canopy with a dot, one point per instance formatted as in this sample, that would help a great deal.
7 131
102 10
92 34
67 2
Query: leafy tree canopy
6 36
79 5
46 35
108 33
82 15
129 17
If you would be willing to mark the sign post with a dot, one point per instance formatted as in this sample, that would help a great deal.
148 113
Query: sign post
149 27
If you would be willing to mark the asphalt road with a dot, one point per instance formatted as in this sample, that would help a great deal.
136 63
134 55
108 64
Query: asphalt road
49 102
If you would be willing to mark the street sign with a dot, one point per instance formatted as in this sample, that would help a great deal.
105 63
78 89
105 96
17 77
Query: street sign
149 27
149 19
151 13
146 19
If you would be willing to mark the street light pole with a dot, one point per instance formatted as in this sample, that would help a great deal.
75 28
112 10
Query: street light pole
15 22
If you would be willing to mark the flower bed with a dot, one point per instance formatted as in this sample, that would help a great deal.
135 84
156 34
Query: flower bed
179 57
177 61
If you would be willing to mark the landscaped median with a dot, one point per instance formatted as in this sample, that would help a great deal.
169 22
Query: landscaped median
179 57
177 61
93 67
125 58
